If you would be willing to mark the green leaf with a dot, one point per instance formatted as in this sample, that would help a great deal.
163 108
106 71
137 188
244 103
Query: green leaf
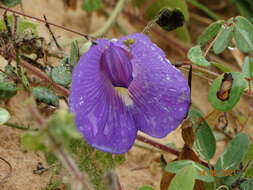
91 5
10 3
223 40
210 32
238 86
34 141
196 56
61 75
185 179
204 143
86 46
7 90
74 53
176 166
45 95
247 185
4 116
62 127
23 25
96 163
221 67
247 67
243 34
248 159
234 153
249 154
145 187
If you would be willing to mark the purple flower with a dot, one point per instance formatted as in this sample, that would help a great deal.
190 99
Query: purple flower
122 86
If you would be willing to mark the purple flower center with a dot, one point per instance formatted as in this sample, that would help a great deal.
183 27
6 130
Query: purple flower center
115 62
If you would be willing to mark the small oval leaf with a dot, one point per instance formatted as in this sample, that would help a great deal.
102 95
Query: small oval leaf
224 38
234 153
243 34
196 57
247 67
210 32
234 94
204 143
185 179
7 90
61 75
202 171
45 95
4 116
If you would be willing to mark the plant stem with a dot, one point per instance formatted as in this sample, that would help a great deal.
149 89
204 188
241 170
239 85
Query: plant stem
157 145
111 20
14 125
41 20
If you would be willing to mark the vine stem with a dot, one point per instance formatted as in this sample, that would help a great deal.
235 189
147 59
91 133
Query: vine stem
50 23
111 20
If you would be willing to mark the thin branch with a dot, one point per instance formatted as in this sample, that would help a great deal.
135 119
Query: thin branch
157 145
111 20
9 173
52 34
50 23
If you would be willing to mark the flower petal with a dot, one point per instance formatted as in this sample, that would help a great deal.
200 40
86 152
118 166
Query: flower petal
160 92
101 115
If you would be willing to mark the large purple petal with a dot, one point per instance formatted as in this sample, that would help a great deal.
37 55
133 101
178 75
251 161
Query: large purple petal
101 115
160 92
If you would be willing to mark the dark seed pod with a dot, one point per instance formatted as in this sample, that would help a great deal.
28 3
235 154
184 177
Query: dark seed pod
170 19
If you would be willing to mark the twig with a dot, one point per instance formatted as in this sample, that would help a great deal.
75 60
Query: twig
158 145
111 20
50 23
52 34
10 171
16 126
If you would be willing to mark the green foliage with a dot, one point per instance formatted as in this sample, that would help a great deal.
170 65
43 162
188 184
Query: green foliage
177 166
223 39
222 67
234 153
145 187
10 3
61 75
34 141
243 34
94 162
196 57
61 125
238 86
247 67
185 179
74 53
204 143
45 95
247 185
7 90
245 8
210 32
23 25
91 5
4 116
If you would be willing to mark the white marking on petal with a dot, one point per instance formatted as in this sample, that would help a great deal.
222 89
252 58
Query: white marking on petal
125 96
